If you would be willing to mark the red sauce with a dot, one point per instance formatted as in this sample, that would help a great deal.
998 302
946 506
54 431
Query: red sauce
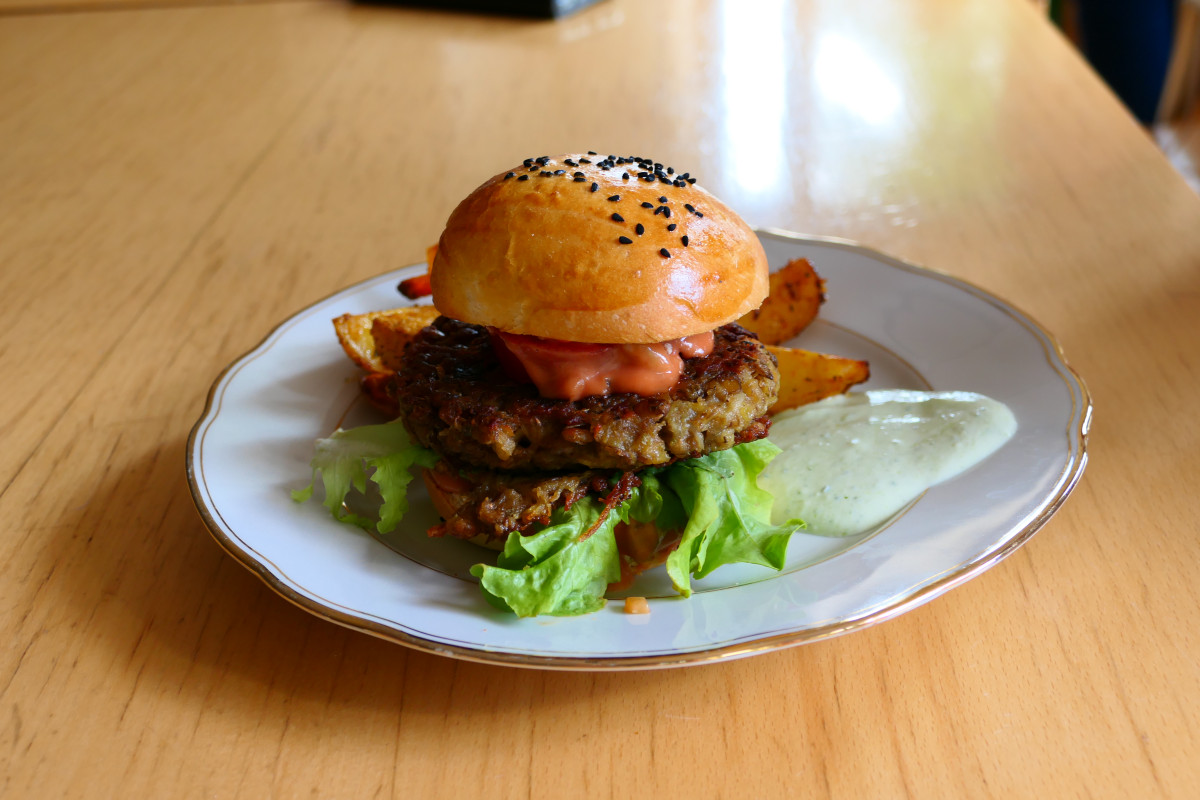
574 370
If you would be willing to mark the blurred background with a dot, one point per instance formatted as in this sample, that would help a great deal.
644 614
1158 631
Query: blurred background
1148 52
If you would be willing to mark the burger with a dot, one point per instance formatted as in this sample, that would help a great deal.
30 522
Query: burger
586 402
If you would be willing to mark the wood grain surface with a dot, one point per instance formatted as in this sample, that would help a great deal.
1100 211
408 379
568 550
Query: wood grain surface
174 182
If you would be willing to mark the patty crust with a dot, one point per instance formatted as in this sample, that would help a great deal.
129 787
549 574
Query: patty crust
455 398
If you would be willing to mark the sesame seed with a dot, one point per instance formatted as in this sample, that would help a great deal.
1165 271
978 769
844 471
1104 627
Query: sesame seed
578 174
560 172
523 178
595 186
625 240
614 198
680 183
698 214
672 226
662 200
591 152
640 229
684 239
579 179
665 253
647 205
617 218
569 162
664 179
670 170
691 180
585 161
509 175
690 207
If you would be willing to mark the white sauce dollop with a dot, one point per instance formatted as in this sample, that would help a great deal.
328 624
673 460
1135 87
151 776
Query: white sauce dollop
852 461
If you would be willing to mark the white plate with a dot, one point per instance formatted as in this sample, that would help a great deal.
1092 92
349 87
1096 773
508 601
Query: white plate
920 329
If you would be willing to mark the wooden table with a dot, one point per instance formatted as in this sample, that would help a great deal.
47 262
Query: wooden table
175 181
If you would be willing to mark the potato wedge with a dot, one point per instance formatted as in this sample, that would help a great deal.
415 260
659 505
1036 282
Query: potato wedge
393 331
357 334
795 296
805 376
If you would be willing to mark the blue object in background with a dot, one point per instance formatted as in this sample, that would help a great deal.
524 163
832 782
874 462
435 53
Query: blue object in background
1129 43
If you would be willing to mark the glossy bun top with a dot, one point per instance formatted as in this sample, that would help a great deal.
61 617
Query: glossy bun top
593 248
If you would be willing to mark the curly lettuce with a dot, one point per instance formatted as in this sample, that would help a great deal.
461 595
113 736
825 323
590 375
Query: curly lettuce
565 568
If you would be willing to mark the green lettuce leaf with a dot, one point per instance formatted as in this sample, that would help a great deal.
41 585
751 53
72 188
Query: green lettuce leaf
383 454
728 516
556 571
563 569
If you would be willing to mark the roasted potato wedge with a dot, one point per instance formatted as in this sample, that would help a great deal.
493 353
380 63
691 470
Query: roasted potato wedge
805 376
375 341
393 331
795 296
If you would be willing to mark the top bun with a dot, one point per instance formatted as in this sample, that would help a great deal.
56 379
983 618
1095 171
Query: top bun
540 250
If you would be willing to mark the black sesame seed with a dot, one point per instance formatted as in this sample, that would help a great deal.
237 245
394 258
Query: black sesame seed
649 179
666 212
625 240
624 176
680 184
659 210
672 226
684 239
508 175
560 172
686 175
664 179
665 253
617 218
585 161
614 198
527 161
591 152
657 165
569 162
690 207
533 168
545 174
662 200
595 186
647 205
670 170
579 179
691 180
578 174
698 214
640 229
523 178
